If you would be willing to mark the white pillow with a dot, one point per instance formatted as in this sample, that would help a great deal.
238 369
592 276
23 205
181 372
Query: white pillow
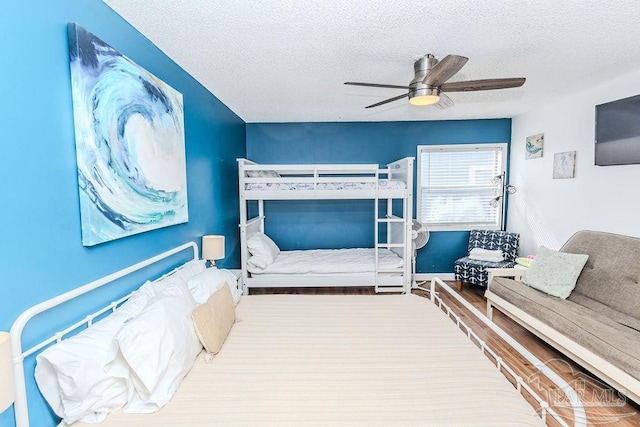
204 284
190 269
257 264
156 349
263 174
71 374
261 246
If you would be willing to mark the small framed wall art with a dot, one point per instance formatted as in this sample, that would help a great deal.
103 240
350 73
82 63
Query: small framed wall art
534 146
564 165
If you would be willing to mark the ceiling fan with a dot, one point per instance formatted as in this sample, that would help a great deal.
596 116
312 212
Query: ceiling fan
429 84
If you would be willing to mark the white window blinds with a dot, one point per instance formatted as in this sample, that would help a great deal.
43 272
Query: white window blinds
456 185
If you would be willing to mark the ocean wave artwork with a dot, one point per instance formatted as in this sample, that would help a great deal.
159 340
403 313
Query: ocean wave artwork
130 147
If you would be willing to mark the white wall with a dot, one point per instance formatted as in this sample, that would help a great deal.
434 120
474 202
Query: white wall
548 211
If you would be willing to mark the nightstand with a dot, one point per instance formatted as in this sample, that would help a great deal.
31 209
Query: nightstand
238 273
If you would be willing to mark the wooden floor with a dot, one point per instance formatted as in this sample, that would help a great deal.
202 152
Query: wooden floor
603 406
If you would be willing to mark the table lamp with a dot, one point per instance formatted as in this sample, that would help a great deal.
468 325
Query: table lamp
212 248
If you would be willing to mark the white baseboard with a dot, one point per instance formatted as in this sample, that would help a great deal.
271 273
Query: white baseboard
421 277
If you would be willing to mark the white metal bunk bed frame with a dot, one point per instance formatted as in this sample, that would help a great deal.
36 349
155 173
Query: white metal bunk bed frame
398 232
21 405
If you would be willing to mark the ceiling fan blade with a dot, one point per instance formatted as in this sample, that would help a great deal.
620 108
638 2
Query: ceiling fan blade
444 70
395 98
487 84
376 85
444 102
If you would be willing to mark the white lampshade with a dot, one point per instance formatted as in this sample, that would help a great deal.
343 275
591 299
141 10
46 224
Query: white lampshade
212 248
7 392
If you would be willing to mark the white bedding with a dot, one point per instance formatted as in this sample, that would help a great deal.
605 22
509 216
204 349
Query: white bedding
328 261
383 184
342 360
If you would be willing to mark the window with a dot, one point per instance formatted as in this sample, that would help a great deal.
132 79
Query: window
456 184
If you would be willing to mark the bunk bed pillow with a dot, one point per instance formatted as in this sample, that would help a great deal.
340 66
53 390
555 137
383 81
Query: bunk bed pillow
204 284
156 349
263 249
257 264
263 174
71 374
214 319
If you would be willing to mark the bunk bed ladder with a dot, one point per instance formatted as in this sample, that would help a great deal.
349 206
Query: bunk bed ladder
386 279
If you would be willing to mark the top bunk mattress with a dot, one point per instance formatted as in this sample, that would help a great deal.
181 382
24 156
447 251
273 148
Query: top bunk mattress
383 184
327 261
325 181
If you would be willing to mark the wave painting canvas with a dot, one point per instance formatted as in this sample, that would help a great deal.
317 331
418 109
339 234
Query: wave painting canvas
130 150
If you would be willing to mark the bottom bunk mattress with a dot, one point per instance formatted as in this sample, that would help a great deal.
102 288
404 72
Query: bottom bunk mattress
327 261
308 360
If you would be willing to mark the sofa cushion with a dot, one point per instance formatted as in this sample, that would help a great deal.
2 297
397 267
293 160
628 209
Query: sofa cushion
612 273
614 339
607 311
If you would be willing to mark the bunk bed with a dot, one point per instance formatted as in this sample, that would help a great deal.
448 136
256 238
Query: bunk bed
259 183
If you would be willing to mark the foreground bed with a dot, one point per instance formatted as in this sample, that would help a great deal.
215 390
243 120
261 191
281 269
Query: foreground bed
322 360
342 360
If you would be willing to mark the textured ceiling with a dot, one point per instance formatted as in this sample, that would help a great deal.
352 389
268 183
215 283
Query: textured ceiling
286 61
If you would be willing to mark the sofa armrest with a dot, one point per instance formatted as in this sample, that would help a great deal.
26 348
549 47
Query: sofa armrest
516 273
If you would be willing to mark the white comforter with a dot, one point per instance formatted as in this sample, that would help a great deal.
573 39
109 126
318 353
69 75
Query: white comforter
341 360
324 261
383 184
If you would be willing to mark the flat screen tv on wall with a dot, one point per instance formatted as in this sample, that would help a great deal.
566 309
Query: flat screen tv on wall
618 132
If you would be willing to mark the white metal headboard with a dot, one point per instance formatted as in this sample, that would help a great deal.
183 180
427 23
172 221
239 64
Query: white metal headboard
20 404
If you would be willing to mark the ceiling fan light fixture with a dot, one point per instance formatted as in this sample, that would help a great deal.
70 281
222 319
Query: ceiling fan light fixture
430 84
424 100
424 96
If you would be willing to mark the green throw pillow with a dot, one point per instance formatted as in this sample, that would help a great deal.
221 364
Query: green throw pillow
555 273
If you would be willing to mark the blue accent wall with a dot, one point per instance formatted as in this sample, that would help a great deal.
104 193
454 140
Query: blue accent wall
42 253
336 224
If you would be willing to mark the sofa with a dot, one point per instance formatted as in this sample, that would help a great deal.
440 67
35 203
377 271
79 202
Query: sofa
598 325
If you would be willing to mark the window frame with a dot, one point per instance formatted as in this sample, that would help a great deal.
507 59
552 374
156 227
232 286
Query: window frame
502 147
